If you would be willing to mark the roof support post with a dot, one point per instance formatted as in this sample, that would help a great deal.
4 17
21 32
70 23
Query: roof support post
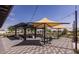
58 34
24 33
44 32
35 32
16 32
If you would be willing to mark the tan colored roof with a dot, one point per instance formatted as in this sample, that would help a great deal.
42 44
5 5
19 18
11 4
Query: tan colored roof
59 26
46 20
50 23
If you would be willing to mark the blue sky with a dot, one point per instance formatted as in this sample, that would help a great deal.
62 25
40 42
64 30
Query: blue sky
24 13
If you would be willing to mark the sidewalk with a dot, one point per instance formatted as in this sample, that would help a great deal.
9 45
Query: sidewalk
6 44
1 46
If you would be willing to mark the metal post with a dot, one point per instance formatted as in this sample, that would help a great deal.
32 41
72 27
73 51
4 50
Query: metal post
35 32
15 31
76 30
24 33
31 32
44 33
58 34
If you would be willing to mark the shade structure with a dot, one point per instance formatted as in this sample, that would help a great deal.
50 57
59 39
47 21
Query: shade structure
46 21
4 12
27 25
59 27
42 24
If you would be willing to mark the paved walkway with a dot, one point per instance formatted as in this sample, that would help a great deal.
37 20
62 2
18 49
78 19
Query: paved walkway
57 46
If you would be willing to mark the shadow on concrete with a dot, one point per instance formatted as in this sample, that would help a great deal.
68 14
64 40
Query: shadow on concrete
29 42
13 37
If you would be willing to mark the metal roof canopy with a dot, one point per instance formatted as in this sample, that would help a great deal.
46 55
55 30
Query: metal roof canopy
27 25
4 12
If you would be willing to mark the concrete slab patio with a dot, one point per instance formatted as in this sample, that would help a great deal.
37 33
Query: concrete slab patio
57 46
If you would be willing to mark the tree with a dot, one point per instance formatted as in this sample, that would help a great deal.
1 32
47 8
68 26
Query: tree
64 31
10 29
